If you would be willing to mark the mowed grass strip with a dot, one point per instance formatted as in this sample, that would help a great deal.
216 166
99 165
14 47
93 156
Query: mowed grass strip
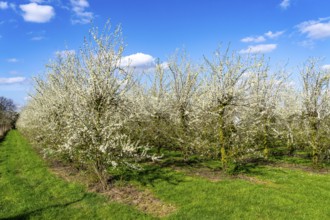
29 191
274 193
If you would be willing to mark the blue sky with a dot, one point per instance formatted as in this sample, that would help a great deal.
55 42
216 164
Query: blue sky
33 31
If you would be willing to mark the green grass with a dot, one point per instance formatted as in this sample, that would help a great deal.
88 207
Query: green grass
286 195
28 190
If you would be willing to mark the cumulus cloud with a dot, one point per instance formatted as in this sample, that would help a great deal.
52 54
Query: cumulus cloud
81 16
12 60
12 80
285 4
33 12
4 5
260 48
315 29
138 60
262 38
272 35
257 39
326 67
141 62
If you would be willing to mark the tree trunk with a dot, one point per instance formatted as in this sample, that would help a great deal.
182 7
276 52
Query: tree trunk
315 157
100 175
222 143
315 150
314 140
290 144
266 140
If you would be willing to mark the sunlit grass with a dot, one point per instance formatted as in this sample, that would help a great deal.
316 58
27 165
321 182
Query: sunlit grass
29 191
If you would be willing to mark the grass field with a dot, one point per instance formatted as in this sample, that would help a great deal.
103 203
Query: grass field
28 190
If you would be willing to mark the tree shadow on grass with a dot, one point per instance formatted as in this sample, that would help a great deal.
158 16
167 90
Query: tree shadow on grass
180 162
161 170
149 175
29 214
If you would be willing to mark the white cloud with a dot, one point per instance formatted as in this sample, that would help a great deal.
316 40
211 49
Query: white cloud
12 80
4 5
80 3
262 38
272 35
138 60
257 39
81 16
285 4
33 12
326 67
260 48
315 29
141 63
12 60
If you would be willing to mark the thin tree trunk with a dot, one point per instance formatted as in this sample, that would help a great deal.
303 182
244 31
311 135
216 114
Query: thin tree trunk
314 142
223 150
101 177
266 140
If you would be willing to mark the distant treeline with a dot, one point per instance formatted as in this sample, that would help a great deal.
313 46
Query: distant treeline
8 115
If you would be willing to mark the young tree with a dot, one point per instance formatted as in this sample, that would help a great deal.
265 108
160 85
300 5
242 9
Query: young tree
289 119
264 96
152 122
315 96
80 109
225 95
185 87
